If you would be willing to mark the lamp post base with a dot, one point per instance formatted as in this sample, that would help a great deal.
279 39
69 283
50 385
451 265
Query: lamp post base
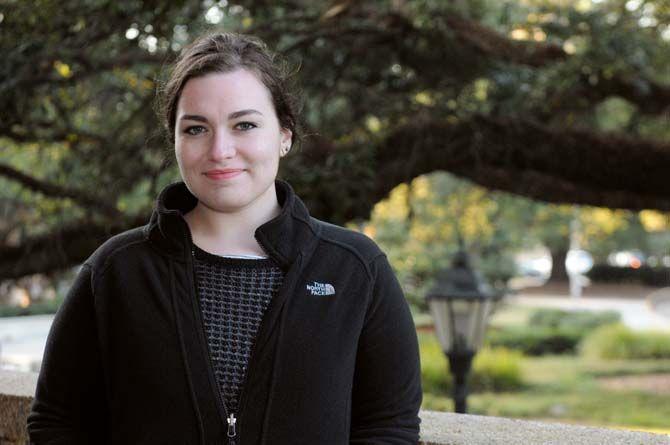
460 363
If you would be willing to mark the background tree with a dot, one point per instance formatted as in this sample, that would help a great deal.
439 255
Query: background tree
420 223
563 101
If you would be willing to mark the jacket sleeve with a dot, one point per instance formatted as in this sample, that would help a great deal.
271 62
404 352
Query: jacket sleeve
69 404
387 391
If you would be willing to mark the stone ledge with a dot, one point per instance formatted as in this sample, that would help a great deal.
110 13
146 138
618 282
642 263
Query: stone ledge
16 394
437 428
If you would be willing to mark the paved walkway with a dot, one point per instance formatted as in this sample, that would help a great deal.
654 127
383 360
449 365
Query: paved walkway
22 341
637 312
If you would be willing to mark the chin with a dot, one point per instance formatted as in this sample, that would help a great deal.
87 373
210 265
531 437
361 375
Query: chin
232 201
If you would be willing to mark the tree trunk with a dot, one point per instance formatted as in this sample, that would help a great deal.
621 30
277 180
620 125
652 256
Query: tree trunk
558 271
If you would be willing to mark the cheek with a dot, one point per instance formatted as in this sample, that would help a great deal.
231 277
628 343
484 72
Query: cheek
185 153
185 162
179 154
262 150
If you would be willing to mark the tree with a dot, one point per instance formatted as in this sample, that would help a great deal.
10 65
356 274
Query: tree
422 224
514 96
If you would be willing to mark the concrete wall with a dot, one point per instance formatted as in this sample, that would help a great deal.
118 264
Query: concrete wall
17 389
16 393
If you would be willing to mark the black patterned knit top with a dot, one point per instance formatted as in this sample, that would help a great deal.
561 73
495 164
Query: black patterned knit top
234 293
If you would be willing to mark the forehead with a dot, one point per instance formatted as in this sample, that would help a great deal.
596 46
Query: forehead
224 92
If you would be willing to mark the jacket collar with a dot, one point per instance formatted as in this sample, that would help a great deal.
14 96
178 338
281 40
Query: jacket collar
283 237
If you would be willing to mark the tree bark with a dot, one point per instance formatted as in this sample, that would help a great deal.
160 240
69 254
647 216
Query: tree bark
558 271
64 247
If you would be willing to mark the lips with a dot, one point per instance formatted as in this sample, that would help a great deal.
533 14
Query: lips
224 174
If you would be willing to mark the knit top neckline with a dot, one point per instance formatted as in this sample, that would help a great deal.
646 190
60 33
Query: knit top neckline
239 261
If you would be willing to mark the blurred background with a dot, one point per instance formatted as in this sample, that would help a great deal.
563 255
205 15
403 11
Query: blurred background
536 132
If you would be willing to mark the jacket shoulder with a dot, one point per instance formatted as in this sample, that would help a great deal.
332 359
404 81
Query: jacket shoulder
355 242
115 245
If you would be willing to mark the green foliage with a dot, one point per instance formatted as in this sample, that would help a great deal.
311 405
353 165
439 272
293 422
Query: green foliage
614 113
616 341
38 308
596 367
623 230
419 225
535 340
567 388
434 367
578 320
497 369
76 95
550 331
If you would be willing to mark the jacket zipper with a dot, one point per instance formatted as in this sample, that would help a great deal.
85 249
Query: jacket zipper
251 356
231 420
231 427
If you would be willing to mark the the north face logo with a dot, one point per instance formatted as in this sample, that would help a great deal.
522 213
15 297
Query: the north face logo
321 288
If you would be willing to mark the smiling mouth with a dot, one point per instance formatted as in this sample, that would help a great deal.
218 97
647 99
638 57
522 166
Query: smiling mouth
220 175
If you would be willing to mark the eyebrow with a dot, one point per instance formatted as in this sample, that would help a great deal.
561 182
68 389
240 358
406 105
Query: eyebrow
241 113
233 115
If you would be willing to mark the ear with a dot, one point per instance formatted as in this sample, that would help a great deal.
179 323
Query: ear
286 136
285 142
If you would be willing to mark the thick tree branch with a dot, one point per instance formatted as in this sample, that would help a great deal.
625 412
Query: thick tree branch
57 191
468 36
493 44
65 247
650 96
562 161
91 68
538 186
559 166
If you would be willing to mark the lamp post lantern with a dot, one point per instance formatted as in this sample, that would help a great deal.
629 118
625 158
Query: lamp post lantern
460 303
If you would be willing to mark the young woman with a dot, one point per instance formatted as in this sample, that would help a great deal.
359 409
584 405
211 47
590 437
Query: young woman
233 316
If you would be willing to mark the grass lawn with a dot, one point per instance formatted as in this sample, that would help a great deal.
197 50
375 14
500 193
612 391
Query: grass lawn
565 388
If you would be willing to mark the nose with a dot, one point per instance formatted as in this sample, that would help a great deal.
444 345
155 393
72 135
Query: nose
223 146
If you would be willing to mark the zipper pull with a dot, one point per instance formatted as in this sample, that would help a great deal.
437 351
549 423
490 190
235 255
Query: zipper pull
231 425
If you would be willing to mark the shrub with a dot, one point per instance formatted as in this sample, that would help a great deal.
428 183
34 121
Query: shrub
616 341
578 320
550 331
535 340
493 369
433 365
497 369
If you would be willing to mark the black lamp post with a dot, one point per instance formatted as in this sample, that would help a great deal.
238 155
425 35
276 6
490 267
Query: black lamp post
461 302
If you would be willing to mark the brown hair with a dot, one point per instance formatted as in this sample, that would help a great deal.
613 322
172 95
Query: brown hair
225 52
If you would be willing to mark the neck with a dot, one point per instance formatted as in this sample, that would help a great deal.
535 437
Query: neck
232 233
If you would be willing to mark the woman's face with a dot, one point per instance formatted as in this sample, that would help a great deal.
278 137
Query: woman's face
228 139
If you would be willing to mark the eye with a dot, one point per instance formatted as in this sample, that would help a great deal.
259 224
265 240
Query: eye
194 130
245 126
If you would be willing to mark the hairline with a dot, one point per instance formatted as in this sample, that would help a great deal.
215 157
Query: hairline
222 70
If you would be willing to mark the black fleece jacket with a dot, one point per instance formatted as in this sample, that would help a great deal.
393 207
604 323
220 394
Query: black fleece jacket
335 360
